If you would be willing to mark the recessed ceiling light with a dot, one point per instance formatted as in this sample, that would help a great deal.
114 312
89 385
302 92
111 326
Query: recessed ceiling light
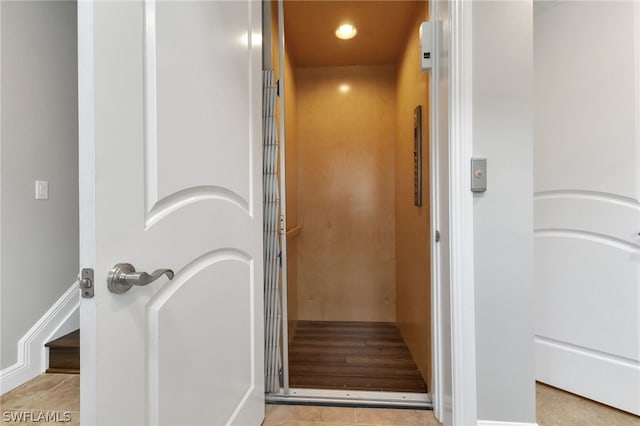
344 88
346 31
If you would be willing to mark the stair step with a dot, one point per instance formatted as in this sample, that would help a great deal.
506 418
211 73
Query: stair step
63 371
71 340
64 354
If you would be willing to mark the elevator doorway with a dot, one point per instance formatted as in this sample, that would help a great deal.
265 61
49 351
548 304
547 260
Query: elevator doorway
357 247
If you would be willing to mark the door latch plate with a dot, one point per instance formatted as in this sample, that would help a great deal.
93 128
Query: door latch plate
86 283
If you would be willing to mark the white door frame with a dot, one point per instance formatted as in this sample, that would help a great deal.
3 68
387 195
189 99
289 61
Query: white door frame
463 341
437 319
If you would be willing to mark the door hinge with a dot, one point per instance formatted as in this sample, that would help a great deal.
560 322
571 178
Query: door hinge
437 236
86 283
278 88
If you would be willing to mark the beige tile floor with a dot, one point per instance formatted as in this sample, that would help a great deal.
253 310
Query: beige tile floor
294 415
59 394
48 394
559 408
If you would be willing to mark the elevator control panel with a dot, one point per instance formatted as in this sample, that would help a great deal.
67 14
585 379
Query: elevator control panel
417 156
478 174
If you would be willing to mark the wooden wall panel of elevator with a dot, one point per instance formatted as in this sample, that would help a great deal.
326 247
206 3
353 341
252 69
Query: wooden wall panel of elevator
346 250
362 253
413 270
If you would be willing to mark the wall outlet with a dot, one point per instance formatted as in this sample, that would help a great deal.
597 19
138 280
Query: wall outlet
42 190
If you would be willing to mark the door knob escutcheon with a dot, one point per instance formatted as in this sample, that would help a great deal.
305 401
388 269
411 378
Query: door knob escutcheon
123 276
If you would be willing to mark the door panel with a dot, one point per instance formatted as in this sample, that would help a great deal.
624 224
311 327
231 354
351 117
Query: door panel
581 209
174 183
191 43
183 308
576 288
587 201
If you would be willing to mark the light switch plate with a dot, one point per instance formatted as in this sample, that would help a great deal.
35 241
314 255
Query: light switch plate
42 190
478 174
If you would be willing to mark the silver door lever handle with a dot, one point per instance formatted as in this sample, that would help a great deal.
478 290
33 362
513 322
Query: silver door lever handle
123 276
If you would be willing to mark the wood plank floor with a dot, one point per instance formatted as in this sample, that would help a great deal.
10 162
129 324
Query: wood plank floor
352 355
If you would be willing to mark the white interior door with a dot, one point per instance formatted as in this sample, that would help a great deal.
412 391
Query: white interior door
170 140
587 201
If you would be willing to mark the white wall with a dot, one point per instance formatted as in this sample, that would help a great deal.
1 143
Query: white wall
503 215
39 239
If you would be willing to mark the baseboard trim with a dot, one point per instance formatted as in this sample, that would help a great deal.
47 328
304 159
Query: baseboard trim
498 423
32 355
576 370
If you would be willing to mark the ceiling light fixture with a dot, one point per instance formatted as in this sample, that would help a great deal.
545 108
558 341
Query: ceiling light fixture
346 31
344 88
